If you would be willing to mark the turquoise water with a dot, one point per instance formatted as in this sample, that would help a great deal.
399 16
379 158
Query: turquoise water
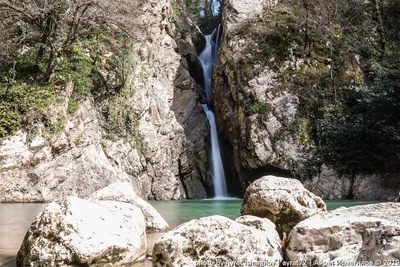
15 219
178 212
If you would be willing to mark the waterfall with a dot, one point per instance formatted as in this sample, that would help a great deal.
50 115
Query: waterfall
217 169
207 59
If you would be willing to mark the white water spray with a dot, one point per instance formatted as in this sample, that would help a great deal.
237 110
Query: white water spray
207 59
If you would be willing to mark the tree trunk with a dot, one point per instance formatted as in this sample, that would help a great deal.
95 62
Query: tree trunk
381 30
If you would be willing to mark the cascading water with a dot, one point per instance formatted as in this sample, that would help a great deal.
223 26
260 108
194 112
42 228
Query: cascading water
217 169
207 59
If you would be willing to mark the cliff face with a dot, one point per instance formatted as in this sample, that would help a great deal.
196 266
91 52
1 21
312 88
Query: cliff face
253 119
164 156
287 74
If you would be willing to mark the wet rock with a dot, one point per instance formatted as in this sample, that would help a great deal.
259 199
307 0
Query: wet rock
216 240
123 192
76 232
362 233
284 201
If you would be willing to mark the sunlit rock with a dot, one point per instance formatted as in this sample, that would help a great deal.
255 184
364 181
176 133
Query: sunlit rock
284 201
76 232
262 224
217 240
362 233
123 192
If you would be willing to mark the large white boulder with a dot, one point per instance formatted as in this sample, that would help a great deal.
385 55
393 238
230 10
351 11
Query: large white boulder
284 201
124 192
216 240
76 232
369 234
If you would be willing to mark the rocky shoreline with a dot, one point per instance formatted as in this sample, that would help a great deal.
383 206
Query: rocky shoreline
281 224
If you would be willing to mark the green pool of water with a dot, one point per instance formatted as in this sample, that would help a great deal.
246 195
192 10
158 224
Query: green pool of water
15 219
178 212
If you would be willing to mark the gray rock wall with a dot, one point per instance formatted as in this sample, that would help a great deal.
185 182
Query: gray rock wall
254 120
260 115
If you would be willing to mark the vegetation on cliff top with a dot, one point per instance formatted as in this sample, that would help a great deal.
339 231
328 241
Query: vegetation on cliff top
47 45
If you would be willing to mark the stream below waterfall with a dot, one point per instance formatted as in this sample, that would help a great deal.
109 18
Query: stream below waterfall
15 219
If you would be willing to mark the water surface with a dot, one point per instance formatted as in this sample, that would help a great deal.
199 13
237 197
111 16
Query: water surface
15 219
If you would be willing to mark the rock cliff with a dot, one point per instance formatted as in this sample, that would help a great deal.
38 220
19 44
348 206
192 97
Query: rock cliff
253 119
280 87
164 156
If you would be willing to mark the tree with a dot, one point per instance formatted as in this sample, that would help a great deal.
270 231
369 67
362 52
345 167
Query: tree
48 29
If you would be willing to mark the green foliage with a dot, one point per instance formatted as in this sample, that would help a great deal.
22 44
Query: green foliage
51 45
124 66
76 67
73 106
261 107
206 22
10 120
119 118
20 100
367 138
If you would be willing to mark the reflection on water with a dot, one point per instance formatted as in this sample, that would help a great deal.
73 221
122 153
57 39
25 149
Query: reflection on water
15 220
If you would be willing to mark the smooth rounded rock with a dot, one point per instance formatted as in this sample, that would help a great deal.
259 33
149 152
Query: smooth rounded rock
124 192
217 240
76 232
284 201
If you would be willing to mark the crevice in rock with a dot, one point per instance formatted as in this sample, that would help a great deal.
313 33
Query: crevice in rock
253 174
182 178
232 179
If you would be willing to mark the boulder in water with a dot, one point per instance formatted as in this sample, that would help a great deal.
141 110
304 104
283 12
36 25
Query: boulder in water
76 232
124 192
217 241
284 201
369 234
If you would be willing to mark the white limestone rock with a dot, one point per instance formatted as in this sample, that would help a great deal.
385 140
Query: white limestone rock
123 192
284 201
362 233
76 232
262 224
216 240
